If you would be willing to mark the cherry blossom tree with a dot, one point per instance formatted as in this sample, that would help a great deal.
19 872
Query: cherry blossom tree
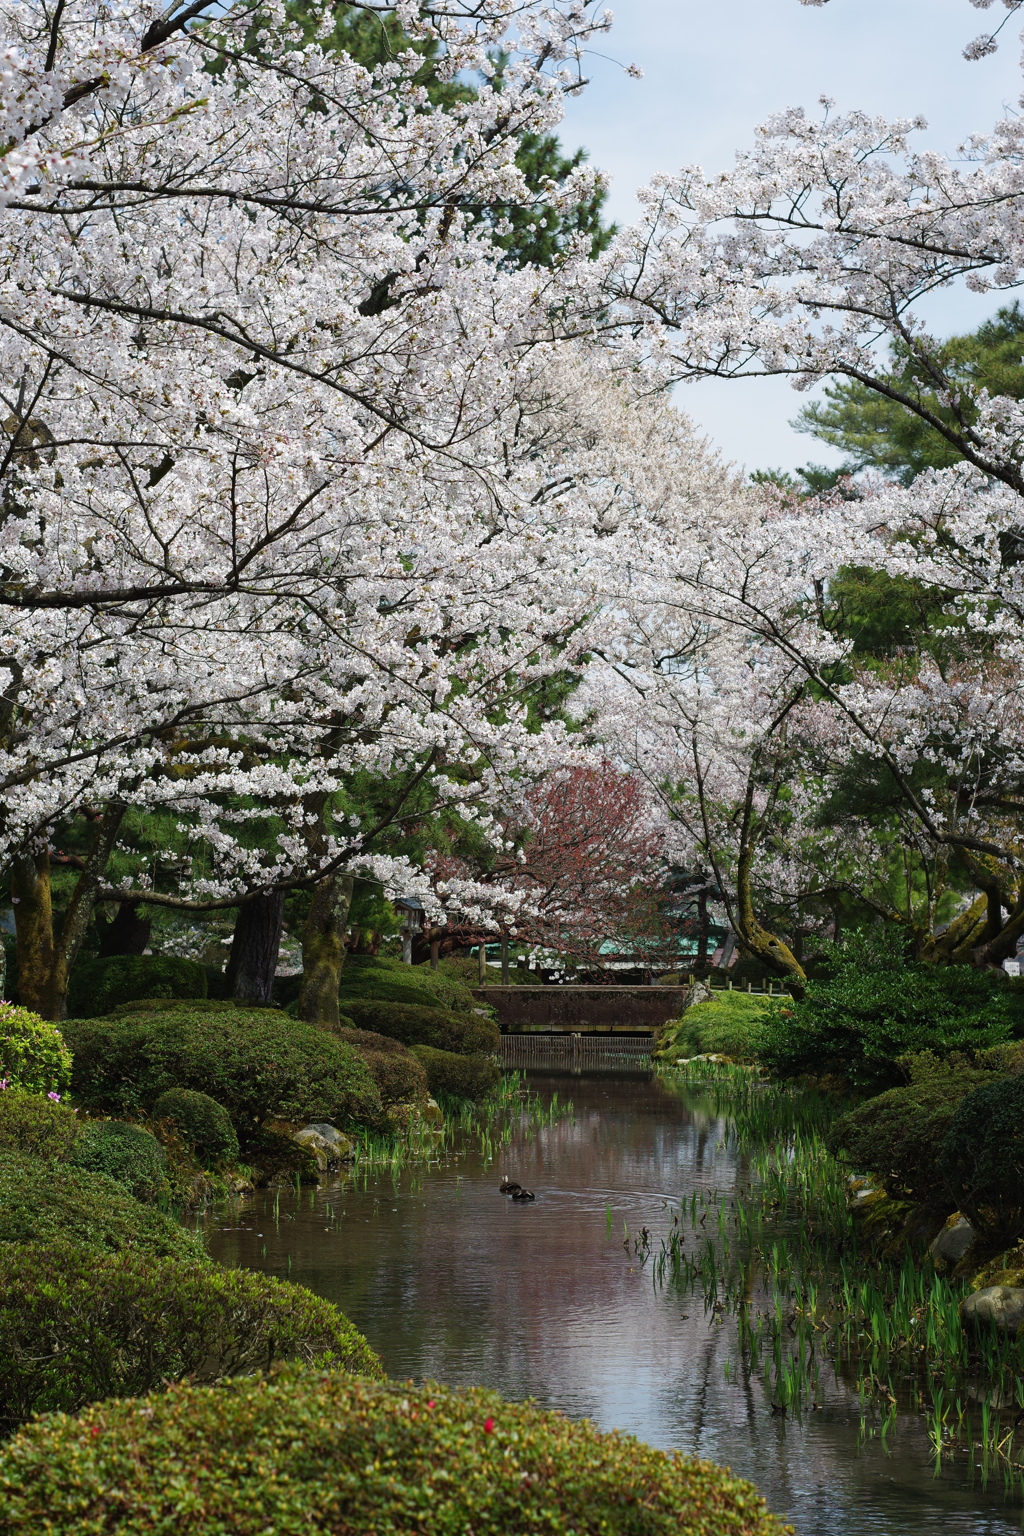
578 860
280 462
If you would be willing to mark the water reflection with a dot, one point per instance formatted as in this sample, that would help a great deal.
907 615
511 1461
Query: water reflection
451 1280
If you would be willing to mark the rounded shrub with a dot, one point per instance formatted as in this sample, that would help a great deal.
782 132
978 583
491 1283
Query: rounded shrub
982 1159
257 1063
896 1136
125 1153
203 1124
173 1004
412 1025
457 1077
76 1326
48 1203
97 986
390 980
400 1078
333 1453
33 1054
731 1024
33 1123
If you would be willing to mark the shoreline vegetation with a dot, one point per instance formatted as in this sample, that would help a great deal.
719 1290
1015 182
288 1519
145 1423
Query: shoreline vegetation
198 1375
825 1272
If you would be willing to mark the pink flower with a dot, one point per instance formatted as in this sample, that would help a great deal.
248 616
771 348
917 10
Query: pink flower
3 1082
54 1096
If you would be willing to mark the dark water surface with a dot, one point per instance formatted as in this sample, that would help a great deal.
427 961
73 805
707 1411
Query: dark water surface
450 1280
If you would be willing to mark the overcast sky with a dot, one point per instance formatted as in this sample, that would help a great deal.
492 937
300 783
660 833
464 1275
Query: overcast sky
715 68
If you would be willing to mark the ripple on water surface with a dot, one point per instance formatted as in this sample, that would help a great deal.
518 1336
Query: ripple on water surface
451 1280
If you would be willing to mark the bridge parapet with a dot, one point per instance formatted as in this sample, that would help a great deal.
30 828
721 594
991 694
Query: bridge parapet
568 1010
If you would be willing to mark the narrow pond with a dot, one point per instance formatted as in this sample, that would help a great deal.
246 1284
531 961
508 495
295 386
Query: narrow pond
450 1280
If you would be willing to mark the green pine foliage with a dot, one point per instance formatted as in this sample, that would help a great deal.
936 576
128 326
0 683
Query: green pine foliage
876 1007
32 1123
49 1203
76 1326
125 1153
98 986
874 431
33 1055
454 1076
203 1125
257 1063
329 1452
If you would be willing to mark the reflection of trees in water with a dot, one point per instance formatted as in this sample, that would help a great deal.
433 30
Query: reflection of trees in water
449 1279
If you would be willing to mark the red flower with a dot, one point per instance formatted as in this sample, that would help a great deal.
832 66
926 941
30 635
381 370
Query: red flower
488 1426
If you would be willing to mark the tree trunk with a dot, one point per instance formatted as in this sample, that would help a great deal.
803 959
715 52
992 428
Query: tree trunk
435 950
703 930
504 960
323 950
33 924
254 947
774 952
127 933
482 964
43 963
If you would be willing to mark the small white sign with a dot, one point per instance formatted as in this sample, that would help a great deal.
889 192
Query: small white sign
1011 967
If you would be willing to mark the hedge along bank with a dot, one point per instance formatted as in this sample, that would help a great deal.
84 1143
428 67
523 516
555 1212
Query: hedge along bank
303 1452
77 1326
47 1203
257 1063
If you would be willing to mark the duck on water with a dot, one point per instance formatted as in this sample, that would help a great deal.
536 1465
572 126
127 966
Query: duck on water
508 1187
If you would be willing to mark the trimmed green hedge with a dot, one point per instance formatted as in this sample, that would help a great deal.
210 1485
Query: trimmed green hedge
730 1023
330 1453
876 1007
412 1025
400 1078
33 1054
257 1063
76 1326
125 1153
30 1122
97 986
457 1077
203 1124
897 1135
388 980
46 1203
982 1159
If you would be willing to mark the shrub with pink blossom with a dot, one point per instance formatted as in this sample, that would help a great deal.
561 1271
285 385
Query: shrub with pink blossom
33 1055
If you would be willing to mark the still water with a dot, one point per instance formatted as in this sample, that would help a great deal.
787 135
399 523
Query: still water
450 1280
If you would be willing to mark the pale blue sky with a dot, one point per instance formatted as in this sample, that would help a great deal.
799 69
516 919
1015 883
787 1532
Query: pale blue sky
714 70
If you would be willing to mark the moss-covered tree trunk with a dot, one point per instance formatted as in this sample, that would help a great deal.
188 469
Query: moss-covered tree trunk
756 939
45 960
323 950
254 948
33 926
